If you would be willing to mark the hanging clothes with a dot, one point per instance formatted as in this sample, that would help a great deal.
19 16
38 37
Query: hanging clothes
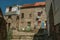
42 24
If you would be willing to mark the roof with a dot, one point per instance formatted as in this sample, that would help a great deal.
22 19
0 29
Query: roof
40 3
34 5
25 5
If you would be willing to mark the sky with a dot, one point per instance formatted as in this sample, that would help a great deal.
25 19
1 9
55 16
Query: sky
5 3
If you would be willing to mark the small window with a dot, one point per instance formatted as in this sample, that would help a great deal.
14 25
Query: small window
9 16
22 15
18 17
30 15
29 23
37 19
39 13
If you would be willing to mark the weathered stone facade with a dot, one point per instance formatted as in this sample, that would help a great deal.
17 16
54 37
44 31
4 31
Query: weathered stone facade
28 19
34 14
12 21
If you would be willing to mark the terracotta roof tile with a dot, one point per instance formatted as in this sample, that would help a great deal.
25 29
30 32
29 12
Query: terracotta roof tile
27 5
40 3
36 4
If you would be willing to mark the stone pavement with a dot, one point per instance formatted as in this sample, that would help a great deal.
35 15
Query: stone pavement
30 36
40 35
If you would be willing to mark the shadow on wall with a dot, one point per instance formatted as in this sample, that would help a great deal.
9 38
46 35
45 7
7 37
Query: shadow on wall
41 35
3 29
57 32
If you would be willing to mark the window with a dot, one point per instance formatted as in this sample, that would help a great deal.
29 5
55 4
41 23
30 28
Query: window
29 23
22 15
30 15
37 19
17 17
39 13
9 16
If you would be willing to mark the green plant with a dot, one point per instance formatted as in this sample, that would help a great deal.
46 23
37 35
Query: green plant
28 28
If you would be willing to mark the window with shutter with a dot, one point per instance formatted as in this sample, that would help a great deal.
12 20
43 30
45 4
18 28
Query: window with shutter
22 15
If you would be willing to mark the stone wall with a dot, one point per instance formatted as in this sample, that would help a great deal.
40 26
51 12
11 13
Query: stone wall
33 12
13 22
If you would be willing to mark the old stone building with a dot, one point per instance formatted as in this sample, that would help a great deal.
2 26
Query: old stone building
33 15
28 17
3 30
